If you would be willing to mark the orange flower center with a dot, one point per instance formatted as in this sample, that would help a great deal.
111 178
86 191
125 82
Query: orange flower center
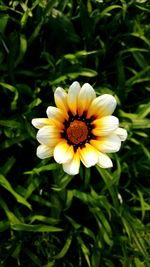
77 132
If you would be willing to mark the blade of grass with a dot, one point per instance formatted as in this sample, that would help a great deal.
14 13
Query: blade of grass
4 183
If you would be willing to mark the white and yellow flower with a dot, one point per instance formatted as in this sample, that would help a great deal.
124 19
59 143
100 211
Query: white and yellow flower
79 128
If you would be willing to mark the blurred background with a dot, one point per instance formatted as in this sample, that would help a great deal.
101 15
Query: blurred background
99 217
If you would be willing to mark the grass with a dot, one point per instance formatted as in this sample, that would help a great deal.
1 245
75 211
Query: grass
99 217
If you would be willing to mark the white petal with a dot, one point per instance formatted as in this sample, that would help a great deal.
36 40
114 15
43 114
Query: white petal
40 122
105 125
101 106
85 97
73 92
44 151
73 166
56 115
60 97
108 144
48 135
120 198
63 152
104 161
122 133
88 155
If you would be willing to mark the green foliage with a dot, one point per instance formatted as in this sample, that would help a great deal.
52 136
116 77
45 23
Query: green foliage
99 217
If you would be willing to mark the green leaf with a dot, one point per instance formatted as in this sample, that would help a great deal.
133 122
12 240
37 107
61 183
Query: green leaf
10 123
138 263
73 222
3 22
96 256
41 201
41 218
131 226
106 11
16 253
4 225
65 248
109 263
10 215
32 256
49 264
108 180
88 232
140 77
23 49
107 236
142 202
25 17
4 183
10 142
143 110
85 72
69 198
65 180
141 61
14 90
35 182
85 250
43 168
35 228
36 102
7 166
142 37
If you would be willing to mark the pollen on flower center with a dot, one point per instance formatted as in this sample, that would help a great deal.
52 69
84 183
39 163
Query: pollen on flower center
77 132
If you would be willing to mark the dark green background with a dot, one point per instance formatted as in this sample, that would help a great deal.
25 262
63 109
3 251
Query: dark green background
48 218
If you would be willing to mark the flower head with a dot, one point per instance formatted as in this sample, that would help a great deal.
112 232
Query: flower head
79 128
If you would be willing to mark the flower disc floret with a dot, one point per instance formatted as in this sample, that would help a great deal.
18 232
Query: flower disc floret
77 132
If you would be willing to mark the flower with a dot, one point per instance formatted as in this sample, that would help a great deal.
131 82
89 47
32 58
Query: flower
79 128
